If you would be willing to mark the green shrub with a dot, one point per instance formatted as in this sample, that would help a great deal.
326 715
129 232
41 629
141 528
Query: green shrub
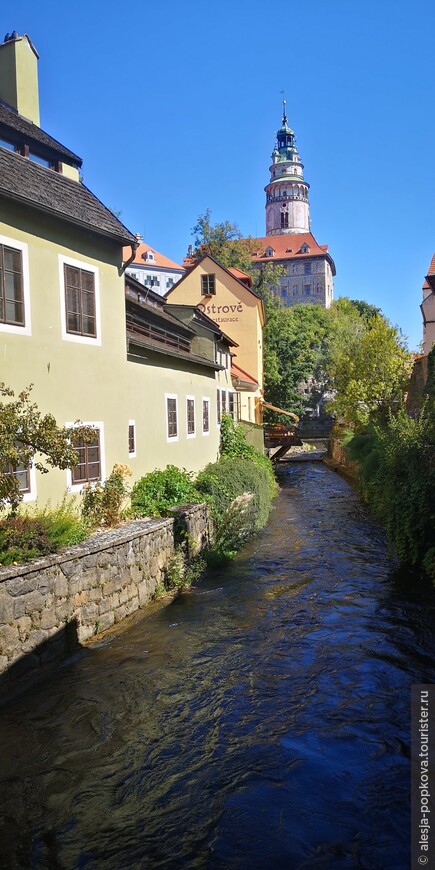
397 476
155 493
102 502
223 481
234 445
24 536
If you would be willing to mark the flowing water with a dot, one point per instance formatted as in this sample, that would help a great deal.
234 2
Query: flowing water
258 721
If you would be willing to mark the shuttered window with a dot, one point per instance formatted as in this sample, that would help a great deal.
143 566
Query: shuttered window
80 301
218 401
89 461
208 285
11 287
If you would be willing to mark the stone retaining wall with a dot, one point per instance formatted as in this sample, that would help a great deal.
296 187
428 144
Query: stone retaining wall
51 604
339 458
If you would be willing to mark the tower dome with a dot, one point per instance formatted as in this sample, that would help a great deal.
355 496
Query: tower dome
287 206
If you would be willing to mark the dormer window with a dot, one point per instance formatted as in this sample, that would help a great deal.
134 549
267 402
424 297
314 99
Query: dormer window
305 249
208 285
270 252
148 256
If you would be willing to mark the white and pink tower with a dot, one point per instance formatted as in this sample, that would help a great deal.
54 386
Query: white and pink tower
287 206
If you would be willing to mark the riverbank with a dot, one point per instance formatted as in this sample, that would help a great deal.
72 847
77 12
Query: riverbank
49 607
198 737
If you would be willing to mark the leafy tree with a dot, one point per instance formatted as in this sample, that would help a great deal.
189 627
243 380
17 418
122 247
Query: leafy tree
29 437
365 309
368 367
294 342
224 242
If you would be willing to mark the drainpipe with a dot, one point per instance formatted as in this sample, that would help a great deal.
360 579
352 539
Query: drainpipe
134 247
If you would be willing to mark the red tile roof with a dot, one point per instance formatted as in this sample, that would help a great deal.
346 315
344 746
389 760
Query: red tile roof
159 259
242 276
430 271
288 246
241 375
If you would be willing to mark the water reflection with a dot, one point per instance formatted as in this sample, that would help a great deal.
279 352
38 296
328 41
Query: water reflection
260 721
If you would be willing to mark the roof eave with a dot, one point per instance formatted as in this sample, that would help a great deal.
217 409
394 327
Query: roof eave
29 203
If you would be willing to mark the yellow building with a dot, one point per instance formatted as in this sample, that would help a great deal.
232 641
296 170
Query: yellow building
63 306
226 297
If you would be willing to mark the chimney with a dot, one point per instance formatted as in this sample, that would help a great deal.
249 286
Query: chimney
19 75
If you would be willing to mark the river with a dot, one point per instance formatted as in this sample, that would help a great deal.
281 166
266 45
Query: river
259 721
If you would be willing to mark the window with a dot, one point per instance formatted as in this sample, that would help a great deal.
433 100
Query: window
22 473
224 401
4 143
131 438
307 268
88 467
218 406
205 416
80 302
25 475
171 418
41 160
170 282
11 286
190 413
80 310
233 405
284 219
152 281
307 290
208 285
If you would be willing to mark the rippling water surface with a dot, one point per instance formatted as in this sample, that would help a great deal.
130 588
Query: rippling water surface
259 721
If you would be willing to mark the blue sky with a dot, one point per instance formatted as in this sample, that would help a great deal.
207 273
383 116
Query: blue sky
174 108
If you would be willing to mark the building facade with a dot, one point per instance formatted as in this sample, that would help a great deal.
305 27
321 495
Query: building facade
226 298
308 268
153 269
428 308
96 349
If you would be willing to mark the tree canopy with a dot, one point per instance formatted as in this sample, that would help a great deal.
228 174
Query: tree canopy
368 366
350 349
29 437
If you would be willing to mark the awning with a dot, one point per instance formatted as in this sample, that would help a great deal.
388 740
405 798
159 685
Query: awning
280 410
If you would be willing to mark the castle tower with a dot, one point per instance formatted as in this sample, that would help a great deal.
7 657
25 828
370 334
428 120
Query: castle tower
287 206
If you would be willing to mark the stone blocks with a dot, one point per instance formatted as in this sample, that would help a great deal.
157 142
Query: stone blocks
90 586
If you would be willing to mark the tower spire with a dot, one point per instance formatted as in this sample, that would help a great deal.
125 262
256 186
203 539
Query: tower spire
287 206
284 116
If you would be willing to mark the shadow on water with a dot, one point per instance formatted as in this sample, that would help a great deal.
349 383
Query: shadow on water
259 721
37 665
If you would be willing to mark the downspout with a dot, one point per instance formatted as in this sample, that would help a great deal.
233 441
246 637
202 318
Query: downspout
134 248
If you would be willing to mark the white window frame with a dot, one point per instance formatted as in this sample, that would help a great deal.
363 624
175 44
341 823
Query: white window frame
205 399
171 438
191 434
10 327
78 487
87 267
224 410
31 494
132 455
